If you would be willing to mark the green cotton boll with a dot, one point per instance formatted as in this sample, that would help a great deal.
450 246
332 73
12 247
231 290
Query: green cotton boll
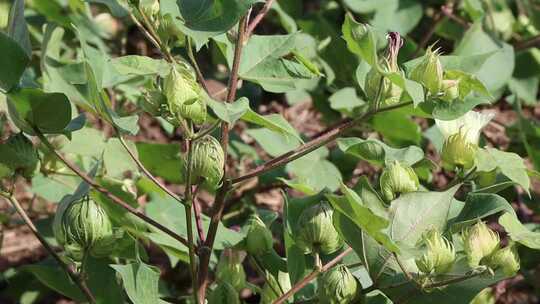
184 95
479 242
224 293
149 7
207 160
259 240
19 154
83 227
429 72
439 254
397 179
338 286
230 269
316 232
506 259
458 152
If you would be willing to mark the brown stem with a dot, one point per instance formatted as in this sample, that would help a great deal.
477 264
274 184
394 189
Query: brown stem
198 220
219 202
115 199
145 171
189 221
259 17
531 42
77 279
448 11
313 144
310 277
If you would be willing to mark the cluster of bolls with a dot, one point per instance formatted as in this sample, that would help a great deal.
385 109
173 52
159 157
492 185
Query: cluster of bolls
480 244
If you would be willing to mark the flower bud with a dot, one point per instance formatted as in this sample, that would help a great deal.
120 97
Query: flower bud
479 242
259 240
149 7
230 269
429 72
396 179
224 293
457 152
316 232
379 90
507 259
461 137
439 254
83 227
208 160
19 154
338 286
184 95
450 89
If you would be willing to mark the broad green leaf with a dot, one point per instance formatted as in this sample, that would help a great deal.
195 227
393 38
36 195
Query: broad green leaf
412 214
54 187
525 89
369 197
116 159
356 210
13 62
378 153
166 211
212 16
273 143
273 122
140 282
86 142
478 206
35 108
360 40
17 28
140 65
467 83
518 232
408 133
452 110
510 164
345 100
163 160
229 112
400 17
313 171
100 278
497 70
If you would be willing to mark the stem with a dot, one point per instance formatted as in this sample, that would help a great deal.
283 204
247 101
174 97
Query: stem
189 221
219 202
313 144
312 276
259 17
145 171
532 42
115 199
448 11
78 280
198 72
405 272
198 219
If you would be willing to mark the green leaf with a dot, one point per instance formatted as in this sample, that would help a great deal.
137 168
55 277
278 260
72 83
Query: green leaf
454 109
360 40
229 112
510 164
409 132
273 143
17 28
497 70
478 206
399 16
518 232
356 210
415 212
117 160
140 282
165 210
345 100
13 62
314 172
269 61
163 160
468 64
363 148
100 278
140 65
33 107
